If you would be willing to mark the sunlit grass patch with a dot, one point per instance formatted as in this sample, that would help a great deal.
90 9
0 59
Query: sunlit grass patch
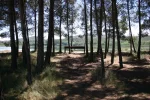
109 80
45 86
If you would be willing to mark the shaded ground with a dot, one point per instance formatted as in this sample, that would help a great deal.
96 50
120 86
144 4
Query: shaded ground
131 83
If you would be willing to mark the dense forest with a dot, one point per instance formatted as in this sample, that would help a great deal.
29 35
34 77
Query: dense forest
109 58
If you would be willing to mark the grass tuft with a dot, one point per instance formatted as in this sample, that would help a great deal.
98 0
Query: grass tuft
45 86
109 80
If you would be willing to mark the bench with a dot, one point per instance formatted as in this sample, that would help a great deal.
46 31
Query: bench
74 47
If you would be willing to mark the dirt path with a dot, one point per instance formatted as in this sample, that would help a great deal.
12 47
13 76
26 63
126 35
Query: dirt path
78 83
77 75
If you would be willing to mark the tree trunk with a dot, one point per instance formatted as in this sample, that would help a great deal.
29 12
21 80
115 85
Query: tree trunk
51 31
98 34
27 33
1 88
35 45
16 31
26 45
101 50
72 30
53 45
40 53
86 33
98 43
118 36
140 32
106 38
24 55
60 50
91 33
130 31
68 25
113 40
12 38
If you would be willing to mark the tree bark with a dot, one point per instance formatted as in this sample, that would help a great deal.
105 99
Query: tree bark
130 31
12 38
86 33
113 40
68 25
140 32
53 45
26 45
118 36
100 46
98 33
72 29
35 45
60 40
51 31
16 31
106 38
40 53
91 33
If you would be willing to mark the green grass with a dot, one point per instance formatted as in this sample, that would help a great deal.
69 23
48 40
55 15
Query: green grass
109 80
45 86
14 84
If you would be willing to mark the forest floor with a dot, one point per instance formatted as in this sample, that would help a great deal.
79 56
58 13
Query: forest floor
73 77
131 82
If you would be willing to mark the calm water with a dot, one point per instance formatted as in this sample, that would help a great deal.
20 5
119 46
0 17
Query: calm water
4 48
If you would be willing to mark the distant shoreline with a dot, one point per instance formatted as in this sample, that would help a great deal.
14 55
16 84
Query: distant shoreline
5 51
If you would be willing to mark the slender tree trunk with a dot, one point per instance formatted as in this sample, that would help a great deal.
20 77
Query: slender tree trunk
26 45
40 53
130 31
140 32
118 36
98 43
35 45
24 55
101 50
1 90
51 31
98 33
60 50
16 31
68 25
12 37
27 33
72 29
86 33
91 33
53 45
72 32
113 40
106 38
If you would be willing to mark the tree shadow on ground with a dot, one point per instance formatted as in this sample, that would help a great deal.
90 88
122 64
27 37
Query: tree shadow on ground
79 84
77 79
135 75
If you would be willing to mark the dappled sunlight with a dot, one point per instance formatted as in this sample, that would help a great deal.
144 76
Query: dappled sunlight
119 84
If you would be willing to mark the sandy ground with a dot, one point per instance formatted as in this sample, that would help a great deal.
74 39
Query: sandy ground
79 84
